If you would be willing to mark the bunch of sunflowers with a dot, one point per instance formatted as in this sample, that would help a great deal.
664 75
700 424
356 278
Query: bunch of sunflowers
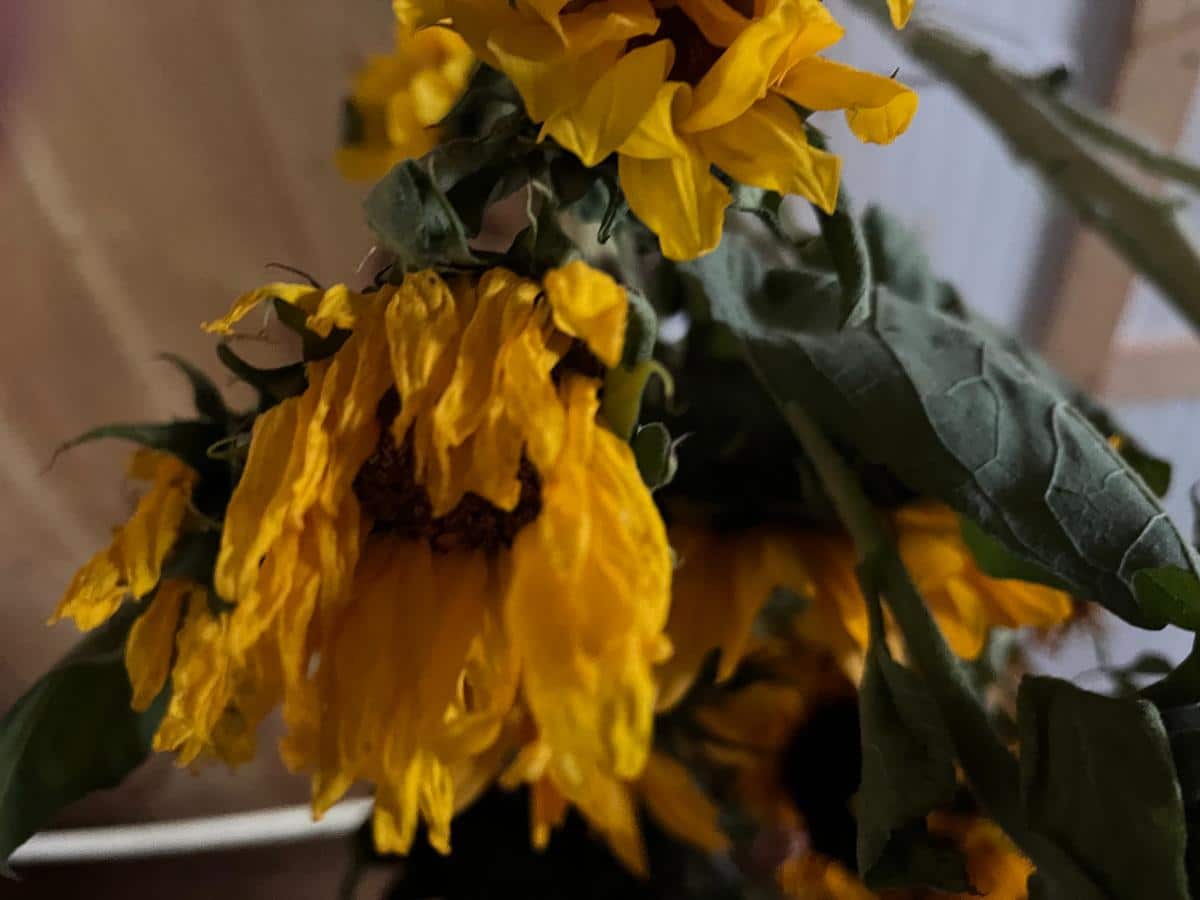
686 541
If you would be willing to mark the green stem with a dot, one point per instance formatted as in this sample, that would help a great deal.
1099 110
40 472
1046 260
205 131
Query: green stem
989 767
1151 159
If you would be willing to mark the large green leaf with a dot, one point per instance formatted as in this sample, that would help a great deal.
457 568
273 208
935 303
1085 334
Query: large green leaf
900 264
1097 779
955 415
72 733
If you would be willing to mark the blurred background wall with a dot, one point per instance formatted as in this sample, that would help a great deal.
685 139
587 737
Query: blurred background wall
155 156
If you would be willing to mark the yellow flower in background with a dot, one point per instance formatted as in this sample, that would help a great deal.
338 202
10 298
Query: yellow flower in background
676 88
398 101
436 536
723 581
132 564
900 11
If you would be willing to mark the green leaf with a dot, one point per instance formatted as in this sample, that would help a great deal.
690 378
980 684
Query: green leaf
72 733
272 385
908 771
899 263
413 218
1154 471
956 416
1098 780
206 396
654 452
542 245
187 439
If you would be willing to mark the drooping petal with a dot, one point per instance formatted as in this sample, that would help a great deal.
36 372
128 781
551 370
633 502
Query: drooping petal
767 147
202 684
587 601
304 296
408 656
878 109
590 305
615 103
423 324
678 804
151 641
504 305
133 562
679 200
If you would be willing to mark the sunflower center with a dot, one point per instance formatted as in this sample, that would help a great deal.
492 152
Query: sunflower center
388 491
694 55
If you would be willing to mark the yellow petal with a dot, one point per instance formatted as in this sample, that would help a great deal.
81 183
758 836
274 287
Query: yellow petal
740 77
530 396
878 109
719 22
201 684
818 30
616 102
679 200
587 601
423 327
547 810
94 594
900 11
590 305
504 307
655 136
304 296
256 512
678 804
548 82
132 563
151 642
767 147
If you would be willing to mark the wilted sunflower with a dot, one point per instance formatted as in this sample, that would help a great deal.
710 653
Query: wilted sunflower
724 580
791 738
399 99
436 555
675 88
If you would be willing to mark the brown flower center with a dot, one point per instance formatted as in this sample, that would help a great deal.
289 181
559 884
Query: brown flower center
387 489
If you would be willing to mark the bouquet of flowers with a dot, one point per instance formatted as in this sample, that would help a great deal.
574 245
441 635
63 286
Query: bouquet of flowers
669 541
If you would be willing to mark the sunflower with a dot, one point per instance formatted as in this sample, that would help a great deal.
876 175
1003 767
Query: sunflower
437 560
675 88
790 736
399 99
724 580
